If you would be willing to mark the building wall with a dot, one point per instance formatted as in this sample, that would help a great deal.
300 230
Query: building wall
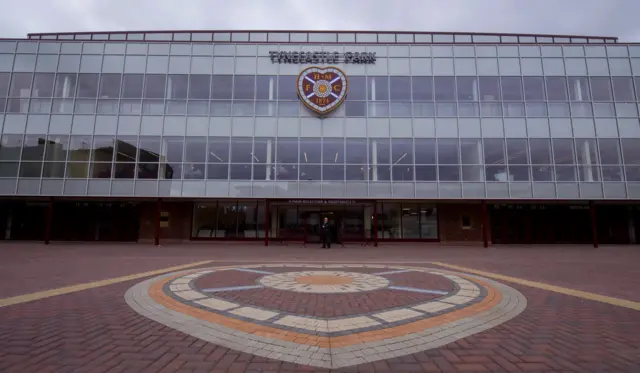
179 221
450 221
425 121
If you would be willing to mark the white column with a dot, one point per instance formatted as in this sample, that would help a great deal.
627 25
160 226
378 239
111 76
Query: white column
268 160
374 160
169 92
475 92
586 159
480 160
271 96
368 212
373 97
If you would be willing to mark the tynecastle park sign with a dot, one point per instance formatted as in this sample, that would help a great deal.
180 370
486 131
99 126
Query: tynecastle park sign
323 57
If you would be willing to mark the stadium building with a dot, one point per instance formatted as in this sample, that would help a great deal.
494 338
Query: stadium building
257 135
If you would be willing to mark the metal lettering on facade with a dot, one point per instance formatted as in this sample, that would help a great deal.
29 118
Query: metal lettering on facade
323 57
321 202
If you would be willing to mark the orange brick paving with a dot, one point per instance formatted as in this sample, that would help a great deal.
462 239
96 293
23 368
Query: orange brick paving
96 331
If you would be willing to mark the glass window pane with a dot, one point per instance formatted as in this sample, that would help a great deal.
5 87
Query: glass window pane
243 87
511 88
356 151
448 151
489 88
557 88
154 86
579 89
609 151
623 88
563 151
310 150
42 86
378 88
400 88
177 86
601 88
110 85
445 88
357 88
87 85
241 150
221 87
422 88
333 151
534 89
467 88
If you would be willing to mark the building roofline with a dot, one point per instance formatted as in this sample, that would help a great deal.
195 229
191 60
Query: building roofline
30 35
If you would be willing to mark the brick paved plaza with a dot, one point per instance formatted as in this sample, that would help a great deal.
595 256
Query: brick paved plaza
249 308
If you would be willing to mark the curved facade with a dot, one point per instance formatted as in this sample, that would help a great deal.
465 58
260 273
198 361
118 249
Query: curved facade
428 118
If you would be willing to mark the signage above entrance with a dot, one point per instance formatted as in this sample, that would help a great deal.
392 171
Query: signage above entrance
322 89
321 201
323 57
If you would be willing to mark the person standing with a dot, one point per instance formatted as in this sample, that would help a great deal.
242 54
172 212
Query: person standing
325 229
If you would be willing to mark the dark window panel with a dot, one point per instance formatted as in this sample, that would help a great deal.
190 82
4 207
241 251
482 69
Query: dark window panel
445 88
631 151
402 151
400 87
534 88
221 87
10 147
623 88
637 84
357 88
244 87
241 150
310 150
489 88
199 86
87 85
126 148
378 87
33 148
177 86
356 151
448 151
149 149
540 151
4 84
110 85
563 151
557 88
511 88
601 88
422 88
154 86
20 85
42 85
467 88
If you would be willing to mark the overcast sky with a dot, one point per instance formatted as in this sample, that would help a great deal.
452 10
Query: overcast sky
581 17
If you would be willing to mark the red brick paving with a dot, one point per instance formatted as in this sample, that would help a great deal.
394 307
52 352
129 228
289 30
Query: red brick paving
96 331
323 305
326 305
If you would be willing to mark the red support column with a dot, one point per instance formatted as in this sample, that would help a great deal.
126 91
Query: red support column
485 235
594 225
49 217
266 223
156 237
375 223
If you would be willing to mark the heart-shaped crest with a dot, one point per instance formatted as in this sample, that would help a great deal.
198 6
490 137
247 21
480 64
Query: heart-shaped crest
322 89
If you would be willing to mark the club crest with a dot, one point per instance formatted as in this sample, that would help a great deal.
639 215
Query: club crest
322 89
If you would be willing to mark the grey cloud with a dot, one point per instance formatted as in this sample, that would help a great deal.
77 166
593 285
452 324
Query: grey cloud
580 17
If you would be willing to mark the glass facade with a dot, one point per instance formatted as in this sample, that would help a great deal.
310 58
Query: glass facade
216 118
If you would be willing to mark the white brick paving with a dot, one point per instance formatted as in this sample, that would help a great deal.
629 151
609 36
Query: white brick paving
217 304
512 304
254 313
397 315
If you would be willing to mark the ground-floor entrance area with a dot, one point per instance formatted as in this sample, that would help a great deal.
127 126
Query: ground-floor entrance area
282 221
